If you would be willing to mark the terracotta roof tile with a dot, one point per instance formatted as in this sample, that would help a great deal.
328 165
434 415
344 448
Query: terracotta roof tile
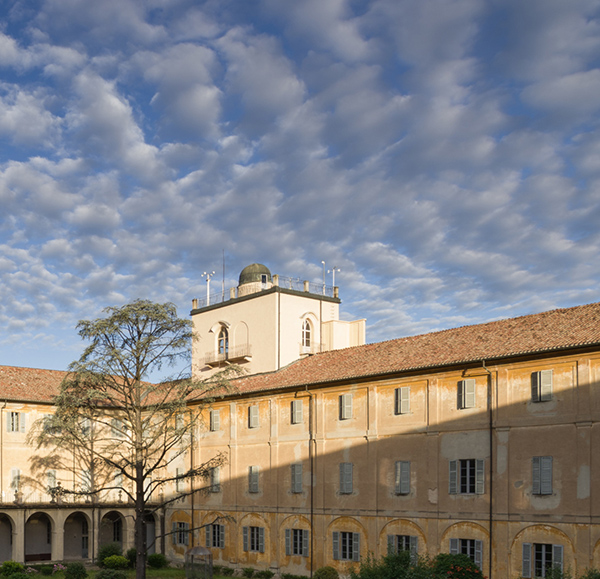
29 384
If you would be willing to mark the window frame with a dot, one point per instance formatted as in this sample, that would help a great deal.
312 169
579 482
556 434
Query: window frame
345 406
297 542
181 533
253 416
306 334
402 477
346 546
529 558
471 469
402 400
215 536
296 412
346 478
542 386
253 539
214 420
541 475
473 548
253 479
467 393
296 478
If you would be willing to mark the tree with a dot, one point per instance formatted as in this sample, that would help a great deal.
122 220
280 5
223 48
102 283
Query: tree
115 425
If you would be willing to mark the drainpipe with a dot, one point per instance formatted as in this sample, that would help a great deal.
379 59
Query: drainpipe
491 467
2 449
192 478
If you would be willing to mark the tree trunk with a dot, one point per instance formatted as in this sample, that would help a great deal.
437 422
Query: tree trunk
140 524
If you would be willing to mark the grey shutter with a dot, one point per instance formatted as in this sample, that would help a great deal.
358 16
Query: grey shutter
461 395
336 545
479 476
557 556
345 406
526 564
305 537
186 535
22 420
535 389
288 542
253 416
545 388
174 533
454 546
208 536
453 477
391 547
245 538
414 549
296 411
404 477
479 554
546 475
405 400
297 478
253 479
345 477
356 546
215 420
222 536
536 479
261 539
470 393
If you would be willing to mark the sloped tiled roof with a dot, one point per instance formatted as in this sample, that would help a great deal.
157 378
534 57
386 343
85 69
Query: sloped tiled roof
534 334
527 335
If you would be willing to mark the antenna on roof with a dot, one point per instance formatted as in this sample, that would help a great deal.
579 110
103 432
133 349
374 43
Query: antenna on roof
223 287
332 271
208 276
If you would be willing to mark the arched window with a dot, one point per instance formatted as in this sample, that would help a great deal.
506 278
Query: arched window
223 341
306 334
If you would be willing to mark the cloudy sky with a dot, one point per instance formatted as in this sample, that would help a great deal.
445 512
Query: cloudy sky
444 154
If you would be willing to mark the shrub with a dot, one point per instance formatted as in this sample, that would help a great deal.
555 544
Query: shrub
76 570
157 561
292 576
107 551
19 575
591 574
264 574
111 574
248 572
131 557
326 573
10 568
456 567
46 569
227 571
116 562
58 568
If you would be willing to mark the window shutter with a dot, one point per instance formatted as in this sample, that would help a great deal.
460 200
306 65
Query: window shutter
454 546
15 479
261 539
209 536
356 546
245 538
253 479
557 556
479 554
453 477
404 477
346 477
22 420
186 535
546 475
253 416
345 406
174 533
304 542
215 420
391 547
222 536
526 566
545 389
461 395
336 545
479 476
296 411
288 542
405 400
414 544
536 480
9 420
535 387
470 393
297 478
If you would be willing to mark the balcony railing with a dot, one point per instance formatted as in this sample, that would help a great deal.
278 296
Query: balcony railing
314 348
235 354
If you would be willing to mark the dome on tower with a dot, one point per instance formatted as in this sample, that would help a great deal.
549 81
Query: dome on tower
255 273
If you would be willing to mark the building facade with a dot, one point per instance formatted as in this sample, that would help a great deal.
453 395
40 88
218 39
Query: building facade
482 440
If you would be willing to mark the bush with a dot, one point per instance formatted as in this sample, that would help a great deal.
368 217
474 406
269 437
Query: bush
591 574
76 570
157 561
227 571
248 572
456 567
20 575
110 574
46 569
108 550
131 557
264 574
10 568
116 562
292 576
326 573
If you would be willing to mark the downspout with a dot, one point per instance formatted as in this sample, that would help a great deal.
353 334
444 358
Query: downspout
311 460
2 449
192 480
491 467
278 330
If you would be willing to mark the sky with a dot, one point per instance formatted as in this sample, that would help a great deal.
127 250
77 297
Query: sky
443 154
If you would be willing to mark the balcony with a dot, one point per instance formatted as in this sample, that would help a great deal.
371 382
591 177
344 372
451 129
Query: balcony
242 353
313 348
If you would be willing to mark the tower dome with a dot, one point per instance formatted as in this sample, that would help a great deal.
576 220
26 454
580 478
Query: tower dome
254 278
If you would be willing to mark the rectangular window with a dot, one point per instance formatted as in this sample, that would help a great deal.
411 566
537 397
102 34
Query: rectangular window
181 533
469 547
397 543
296 411
541 386
15 479
86 481
215 421
179 482
346 478
254 539
15 422
215 480
466 394
346 546
253 479
540 558
466 476
542 475
117 429
253 416
297 478
402 400
296 542
402 482
215 536
345 406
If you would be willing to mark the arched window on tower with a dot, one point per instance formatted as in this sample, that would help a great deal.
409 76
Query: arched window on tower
306 335
223 342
